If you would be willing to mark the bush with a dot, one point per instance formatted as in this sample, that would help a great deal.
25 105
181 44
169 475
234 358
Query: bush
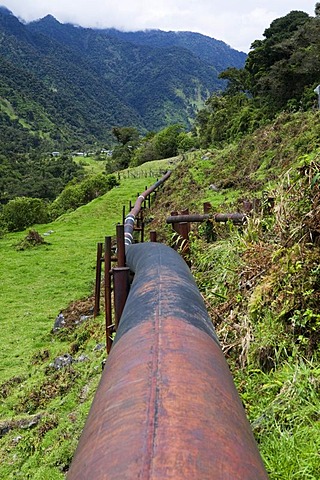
22 212
73 196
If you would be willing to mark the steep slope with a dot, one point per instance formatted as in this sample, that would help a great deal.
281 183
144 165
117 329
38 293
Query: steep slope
261 283
70 85
213 52
164 84
60 83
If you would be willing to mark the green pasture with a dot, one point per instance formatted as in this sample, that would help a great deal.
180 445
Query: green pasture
37 283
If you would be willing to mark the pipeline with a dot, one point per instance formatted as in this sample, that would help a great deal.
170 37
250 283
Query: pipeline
130 218
237 218
166 407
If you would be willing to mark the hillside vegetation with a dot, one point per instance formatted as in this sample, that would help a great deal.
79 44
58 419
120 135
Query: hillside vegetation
261 282
259 154
48 378
64 86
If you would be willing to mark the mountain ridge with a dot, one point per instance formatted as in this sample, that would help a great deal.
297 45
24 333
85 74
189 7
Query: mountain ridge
89 80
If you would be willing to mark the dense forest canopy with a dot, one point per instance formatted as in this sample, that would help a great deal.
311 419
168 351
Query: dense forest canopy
70 85
280 73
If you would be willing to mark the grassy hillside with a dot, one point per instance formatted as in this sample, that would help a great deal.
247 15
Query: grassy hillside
37 283
261 284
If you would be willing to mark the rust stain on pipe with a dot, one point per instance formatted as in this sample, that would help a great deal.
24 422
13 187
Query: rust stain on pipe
234 217
166 407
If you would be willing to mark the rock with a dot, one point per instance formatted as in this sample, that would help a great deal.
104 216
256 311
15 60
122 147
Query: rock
24 423
82 358
98 347
59 322
83 318
213 187
17 439
62 361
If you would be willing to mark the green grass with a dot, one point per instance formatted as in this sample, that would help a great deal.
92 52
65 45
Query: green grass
91 165
37 283
285 419
247 276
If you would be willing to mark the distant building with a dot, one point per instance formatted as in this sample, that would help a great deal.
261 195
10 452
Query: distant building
55 154
104 151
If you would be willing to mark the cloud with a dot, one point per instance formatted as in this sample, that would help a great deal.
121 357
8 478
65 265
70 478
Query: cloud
236 23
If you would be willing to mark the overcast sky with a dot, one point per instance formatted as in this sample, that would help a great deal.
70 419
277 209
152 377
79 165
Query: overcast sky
238 23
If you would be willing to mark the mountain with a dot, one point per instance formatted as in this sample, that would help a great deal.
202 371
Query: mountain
212 51
66 86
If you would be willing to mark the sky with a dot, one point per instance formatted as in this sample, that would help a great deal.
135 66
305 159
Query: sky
237 23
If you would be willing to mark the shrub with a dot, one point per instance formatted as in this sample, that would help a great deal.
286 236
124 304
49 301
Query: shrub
73 196
32 239
22 212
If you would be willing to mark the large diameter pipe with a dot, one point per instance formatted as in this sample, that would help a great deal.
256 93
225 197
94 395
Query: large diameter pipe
166 406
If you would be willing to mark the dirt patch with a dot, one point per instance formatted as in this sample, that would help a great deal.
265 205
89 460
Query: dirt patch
76 313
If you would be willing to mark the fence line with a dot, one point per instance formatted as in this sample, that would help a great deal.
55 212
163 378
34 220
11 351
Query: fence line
125 174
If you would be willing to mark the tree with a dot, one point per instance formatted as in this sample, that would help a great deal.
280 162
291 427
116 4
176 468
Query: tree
273 48
238 80
73 196
280 73
128 139
146 152
186 141
125 135
166 141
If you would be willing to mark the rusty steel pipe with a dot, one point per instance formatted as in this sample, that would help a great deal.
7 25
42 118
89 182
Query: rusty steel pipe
188 218
107 291
238 218
121 287
130 218
97 290
166 407
121 254
153 236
